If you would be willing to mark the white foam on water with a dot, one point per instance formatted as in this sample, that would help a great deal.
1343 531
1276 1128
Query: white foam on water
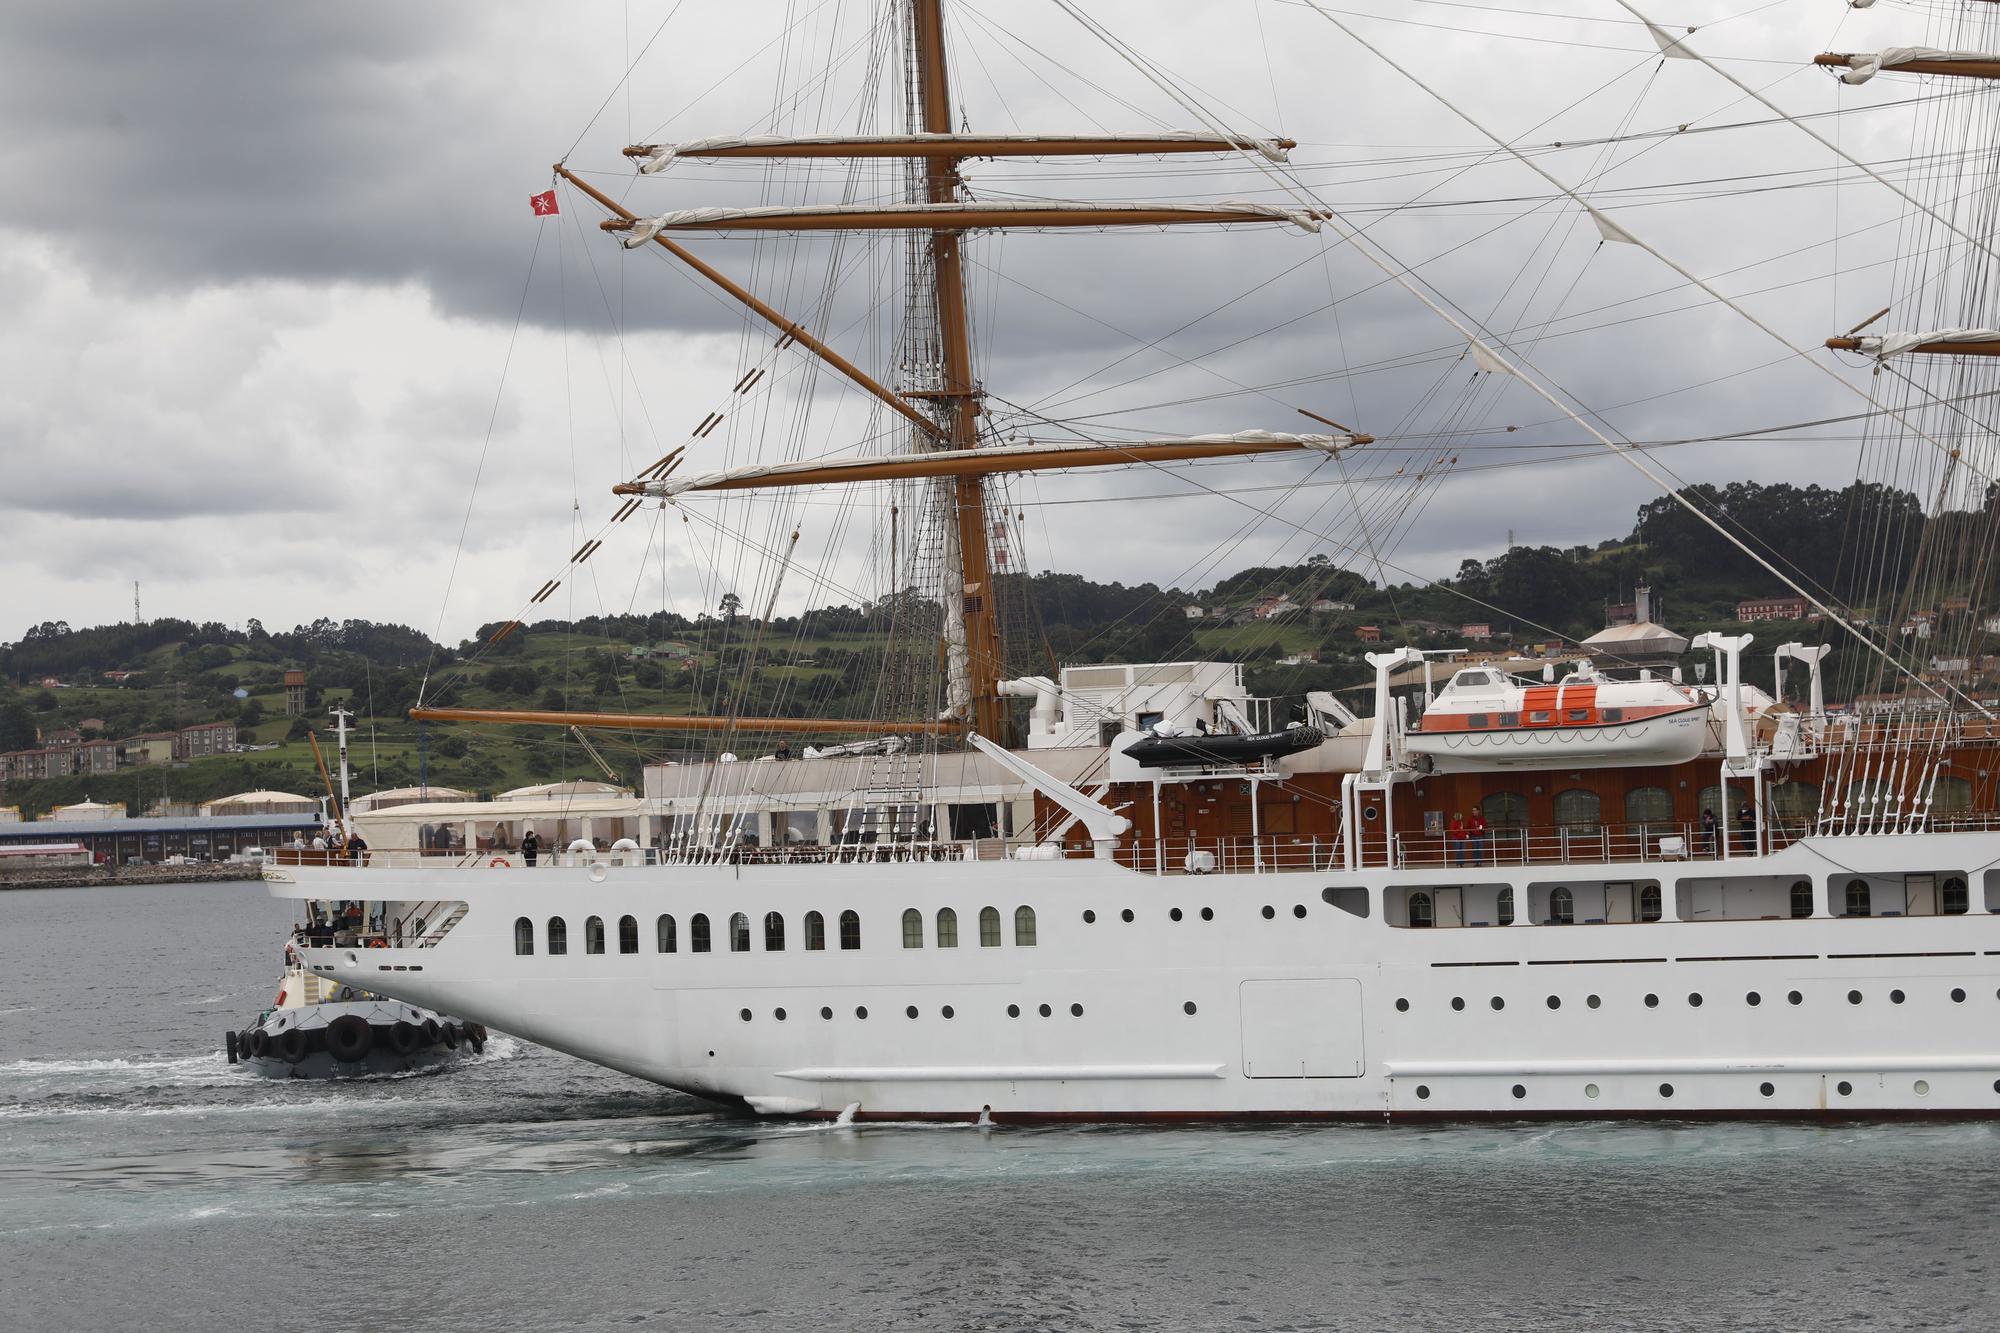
115 1065
846 1117
45 1112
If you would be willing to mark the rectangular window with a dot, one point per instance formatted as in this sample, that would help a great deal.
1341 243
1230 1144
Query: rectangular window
1579 715
1612 715
1475 721
1510 719
1538 716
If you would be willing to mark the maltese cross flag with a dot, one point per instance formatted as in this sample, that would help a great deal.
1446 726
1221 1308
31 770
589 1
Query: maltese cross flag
544 204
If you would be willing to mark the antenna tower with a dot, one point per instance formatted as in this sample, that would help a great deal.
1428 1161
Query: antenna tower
137 619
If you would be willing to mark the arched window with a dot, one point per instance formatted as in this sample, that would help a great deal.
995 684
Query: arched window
665 936
1024 925
1802 903
1795 802
739 933
1950 796
850 929
1857 898
1506 905
947 928
1421 911
815 931
913 929
1562 906
524 935
774 932
628 934
1708 801
1649 805
1505 809
1577 810
1649 902
1952 897
989 928
593 934
698 933
558 935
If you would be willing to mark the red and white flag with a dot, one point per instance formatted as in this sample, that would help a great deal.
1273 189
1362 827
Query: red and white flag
544 204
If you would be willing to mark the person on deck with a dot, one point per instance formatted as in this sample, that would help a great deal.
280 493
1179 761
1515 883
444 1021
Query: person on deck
1708 832
1456 833
531 846
1475 833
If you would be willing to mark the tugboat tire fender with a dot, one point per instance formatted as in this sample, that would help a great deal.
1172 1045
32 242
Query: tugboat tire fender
260 1042
403 1037
291 1046
349 1039
229 1039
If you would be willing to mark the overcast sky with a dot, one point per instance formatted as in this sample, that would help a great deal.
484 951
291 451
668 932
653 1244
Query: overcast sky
263 263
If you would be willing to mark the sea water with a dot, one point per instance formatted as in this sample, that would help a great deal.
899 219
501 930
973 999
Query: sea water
145 1183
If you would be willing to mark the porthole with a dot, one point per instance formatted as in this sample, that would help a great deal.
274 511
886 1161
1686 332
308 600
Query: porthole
1753 999
1694 999
1895 997
1592 1001
825 1012
1423 1092
1854 997
778 1014
744 1015
949 1012
1299 910
1555 1002
1076 1011
1519 1091
1498 1003
910 1012
1590 1089
1045 1011
1844 1088
1996 1085
1793 997
1013 1011
1458 1002
1666 1089
1089 917
1188 1008
1402 1005
1269 911
1174 914
861 1011
1652 1001
1921 1087
1208 914
1766 1089
1958 995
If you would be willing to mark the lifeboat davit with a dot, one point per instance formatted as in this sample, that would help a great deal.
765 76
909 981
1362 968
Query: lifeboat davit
1484 720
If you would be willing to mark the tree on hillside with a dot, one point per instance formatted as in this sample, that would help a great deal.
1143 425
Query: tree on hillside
17 727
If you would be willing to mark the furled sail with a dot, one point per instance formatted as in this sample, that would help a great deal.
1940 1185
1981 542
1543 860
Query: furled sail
1861 66
1965 342
1015 456
656 157
957 216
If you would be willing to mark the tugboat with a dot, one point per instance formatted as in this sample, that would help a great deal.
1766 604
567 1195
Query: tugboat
319 1029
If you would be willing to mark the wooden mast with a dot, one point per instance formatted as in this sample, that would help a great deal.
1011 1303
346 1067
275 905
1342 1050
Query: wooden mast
958 407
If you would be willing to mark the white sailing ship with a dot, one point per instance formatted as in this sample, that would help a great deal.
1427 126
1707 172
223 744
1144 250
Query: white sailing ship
1783 915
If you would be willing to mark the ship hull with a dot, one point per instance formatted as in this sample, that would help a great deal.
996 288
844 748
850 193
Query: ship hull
1239 997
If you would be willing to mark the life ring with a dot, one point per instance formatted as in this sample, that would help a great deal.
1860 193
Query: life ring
403 1037
349 1039
498 863
291 1046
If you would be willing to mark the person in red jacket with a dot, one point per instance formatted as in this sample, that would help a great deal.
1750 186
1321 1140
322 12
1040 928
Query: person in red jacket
1475 833
1456 833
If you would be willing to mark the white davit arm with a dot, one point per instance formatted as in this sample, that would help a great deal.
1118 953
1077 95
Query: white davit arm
1104 826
